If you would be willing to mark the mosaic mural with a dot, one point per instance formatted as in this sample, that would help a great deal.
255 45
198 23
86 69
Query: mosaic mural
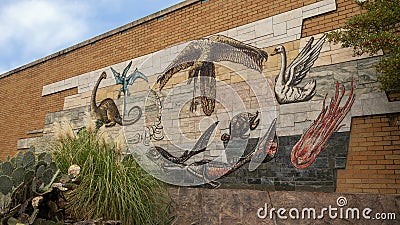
199 58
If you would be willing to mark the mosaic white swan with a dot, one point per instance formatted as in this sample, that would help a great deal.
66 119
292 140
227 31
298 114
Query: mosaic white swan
287 88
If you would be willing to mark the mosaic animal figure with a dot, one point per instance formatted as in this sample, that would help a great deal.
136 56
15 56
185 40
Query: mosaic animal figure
240 125
127 80
208 170
107 111
315 138
287 88
265 151
199 147
199 57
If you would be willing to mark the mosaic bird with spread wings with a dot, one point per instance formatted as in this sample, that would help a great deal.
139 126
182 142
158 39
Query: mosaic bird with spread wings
127 80
201 145
287 88
199 57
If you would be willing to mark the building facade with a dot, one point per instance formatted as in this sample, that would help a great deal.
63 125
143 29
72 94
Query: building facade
361 154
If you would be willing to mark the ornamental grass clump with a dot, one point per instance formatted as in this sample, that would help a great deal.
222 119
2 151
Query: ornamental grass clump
109 188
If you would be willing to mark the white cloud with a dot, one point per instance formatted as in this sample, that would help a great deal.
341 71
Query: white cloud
35 28
32 29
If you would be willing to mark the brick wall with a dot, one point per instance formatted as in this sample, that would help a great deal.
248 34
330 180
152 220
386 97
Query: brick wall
373 161
331 21
23 108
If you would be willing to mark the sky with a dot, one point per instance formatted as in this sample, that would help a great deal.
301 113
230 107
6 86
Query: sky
33 29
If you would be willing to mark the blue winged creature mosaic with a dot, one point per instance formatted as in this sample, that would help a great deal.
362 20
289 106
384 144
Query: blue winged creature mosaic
127 80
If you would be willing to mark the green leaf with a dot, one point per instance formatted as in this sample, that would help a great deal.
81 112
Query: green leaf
375 29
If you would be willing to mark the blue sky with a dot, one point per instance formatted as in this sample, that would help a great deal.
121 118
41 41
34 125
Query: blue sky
33 29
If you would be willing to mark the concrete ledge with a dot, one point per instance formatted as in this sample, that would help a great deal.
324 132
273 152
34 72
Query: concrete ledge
40 131
235 206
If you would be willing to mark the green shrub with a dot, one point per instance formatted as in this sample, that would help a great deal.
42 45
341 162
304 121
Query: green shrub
109 188
376 28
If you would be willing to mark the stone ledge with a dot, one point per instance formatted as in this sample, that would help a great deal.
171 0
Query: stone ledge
39 131
238 206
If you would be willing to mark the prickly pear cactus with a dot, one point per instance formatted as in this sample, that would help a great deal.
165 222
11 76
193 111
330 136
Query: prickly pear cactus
6 187
29 175
22 178
47 176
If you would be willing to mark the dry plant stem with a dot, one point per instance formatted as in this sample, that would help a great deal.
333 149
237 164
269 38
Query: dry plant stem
314 139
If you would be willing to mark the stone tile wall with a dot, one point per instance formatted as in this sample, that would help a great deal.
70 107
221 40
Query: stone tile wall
227 206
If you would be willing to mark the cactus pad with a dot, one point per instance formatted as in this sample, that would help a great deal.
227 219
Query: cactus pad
6 184
7 168
41 156
40 170
41 163
18 176
28 160
53 167
18 159
47 158
47 176
28 176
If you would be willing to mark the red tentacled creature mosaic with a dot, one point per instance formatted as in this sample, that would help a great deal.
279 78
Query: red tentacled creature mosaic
315 138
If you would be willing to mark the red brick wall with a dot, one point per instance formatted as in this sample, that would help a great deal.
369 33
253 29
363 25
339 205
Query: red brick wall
23 108
332 20
373 161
